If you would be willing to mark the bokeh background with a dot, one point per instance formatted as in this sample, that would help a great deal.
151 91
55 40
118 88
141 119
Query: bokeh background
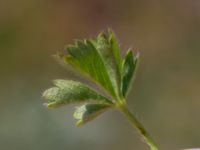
165 95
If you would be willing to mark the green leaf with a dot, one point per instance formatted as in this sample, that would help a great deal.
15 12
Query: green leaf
115 48
85 57
108 49
67 92
128 70
88 112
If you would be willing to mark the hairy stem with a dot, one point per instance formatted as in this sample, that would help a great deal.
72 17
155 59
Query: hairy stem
135 123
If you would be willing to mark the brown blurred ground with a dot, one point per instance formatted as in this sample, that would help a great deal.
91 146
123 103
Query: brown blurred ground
166 93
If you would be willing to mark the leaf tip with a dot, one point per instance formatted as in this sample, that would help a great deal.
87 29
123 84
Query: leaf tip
48 105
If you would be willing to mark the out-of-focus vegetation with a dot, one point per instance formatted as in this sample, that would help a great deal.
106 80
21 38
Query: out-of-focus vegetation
166 90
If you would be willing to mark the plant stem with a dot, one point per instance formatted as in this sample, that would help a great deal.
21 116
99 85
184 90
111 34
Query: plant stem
135 123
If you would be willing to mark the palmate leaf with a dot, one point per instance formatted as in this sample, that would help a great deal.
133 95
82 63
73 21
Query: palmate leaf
99 59
67 92
88 112
128 70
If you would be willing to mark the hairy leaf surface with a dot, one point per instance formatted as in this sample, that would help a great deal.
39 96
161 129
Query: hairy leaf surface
115 48
66 92
88 112
108 49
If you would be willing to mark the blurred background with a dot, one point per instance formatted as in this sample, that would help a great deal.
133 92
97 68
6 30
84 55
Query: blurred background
165 95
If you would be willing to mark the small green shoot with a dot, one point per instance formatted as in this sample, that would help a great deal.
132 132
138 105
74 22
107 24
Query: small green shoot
98 59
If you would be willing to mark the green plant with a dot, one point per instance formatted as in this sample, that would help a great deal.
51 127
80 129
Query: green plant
100 60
